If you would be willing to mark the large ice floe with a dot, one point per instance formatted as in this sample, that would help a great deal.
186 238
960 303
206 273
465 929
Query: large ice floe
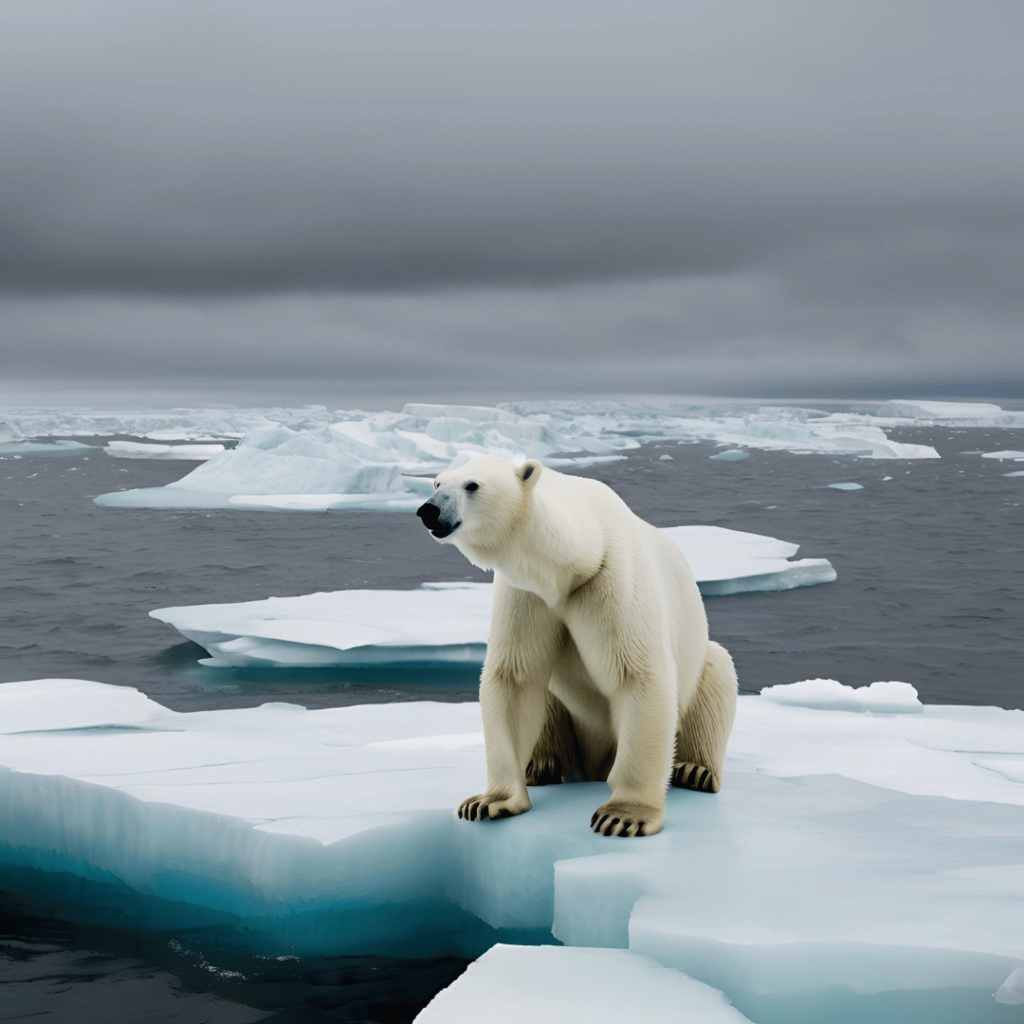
448 621
314 460
864 861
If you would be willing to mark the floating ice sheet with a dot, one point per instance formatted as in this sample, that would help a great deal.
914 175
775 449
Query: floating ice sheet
1019 456
858 865
447 622
23 448
142 450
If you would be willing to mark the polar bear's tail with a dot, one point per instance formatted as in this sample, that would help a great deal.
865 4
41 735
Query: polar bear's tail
705 726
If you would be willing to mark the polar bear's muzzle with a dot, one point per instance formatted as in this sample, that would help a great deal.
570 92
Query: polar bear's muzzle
438 520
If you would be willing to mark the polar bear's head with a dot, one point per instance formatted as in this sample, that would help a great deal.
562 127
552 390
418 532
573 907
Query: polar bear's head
477 506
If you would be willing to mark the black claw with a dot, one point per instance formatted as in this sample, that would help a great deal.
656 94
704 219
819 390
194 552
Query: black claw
613 822
593 819
503 813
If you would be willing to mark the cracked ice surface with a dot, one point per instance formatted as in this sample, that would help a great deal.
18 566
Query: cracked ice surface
857 865
448 621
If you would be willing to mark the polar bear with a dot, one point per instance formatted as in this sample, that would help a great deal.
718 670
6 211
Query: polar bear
598 661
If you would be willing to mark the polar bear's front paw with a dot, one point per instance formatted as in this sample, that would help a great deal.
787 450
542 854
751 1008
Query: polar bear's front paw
493 806
626 818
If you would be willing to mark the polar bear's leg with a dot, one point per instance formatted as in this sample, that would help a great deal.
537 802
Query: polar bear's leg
557 752
644 712
705 725
521 652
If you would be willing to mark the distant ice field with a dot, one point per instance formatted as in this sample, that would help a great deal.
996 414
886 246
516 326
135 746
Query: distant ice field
311 459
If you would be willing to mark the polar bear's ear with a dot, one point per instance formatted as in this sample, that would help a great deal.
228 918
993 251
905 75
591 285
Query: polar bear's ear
529 473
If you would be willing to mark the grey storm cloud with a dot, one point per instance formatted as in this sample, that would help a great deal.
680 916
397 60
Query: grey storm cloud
441 184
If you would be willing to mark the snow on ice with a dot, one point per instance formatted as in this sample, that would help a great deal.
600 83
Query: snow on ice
864 860
448 621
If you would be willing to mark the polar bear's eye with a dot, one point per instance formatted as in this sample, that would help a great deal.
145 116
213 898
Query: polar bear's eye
436 485
471 486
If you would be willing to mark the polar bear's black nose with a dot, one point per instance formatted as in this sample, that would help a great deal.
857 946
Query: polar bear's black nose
430 514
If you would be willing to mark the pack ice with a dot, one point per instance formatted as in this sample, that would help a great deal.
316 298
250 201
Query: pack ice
447 621
863 862
316 461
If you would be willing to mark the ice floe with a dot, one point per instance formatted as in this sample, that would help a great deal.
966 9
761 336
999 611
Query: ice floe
448 621
1018 456
861 863
142 450
846 486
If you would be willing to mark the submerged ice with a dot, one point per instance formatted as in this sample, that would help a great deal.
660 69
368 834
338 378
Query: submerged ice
864 860
448 621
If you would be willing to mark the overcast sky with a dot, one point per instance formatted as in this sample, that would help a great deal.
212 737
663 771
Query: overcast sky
429 199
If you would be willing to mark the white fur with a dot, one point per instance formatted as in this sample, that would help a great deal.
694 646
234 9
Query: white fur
598 609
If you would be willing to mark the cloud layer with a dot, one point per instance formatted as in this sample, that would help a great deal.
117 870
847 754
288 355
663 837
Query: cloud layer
627 193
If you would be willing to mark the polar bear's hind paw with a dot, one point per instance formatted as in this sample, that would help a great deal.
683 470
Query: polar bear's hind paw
544 771
687 775
492 806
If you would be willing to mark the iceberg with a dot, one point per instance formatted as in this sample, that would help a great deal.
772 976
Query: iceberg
447 621
383 461
864 860
846 487
733 455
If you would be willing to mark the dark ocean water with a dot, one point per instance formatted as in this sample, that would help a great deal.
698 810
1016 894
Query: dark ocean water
929 592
